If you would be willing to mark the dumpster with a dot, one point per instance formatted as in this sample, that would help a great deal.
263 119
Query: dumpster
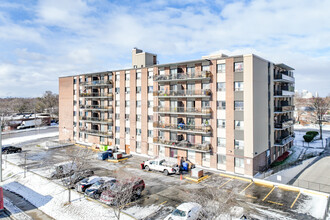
102 155
103 147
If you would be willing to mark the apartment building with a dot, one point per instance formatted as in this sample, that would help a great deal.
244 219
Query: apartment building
232 113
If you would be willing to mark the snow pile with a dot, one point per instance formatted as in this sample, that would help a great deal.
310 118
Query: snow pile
51 198
142 212
313 205
18 140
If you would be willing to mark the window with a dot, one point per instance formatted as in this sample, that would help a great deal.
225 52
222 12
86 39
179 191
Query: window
221 159
173 153
206 68
74 124
239 145
74 102
150 104
138 103
191 156
117 116
138 90
150 74
206 157
138 117
127 103
127 130
238 86
221 142
239 105
86 79
74 113
150 89
127 90
221 105
117 90
138 75
205 86
74 81
205 104
138 147
221 86
138 132
126 117
150 118
238 67
117 77
150 133
205 121
239 162
117 141
221 123
117 129
161 72
117 103
239 125
127 76
221 68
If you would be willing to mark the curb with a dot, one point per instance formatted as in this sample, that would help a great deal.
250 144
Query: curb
197 180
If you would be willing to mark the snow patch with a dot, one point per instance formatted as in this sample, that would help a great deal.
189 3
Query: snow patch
142 212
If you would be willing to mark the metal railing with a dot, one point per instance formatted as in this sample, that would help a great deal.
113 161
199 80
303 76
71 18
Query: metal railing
186 145
284 123
97 107
182 110
184 76
284 108
97 83
95 119
185 93
96 132
183 127
284 140
96 95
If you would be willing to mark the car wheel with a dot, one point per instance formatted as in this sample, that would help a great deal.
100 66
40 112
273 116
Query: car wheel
19 150
5 152
166 172
147 168
138 192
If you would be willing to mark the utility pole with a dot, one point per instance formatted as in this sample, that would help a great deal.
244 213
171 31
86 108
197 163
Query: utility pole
0 149
25 165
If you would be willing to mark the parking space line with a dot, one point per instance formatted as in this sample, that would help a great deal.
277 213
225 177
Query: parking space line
269 193
163 203
253 197
226 182
246 187
277 203
295 200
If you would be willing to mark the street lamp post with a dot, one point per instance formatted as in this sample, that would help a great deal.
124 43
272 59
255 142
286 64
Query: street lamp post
0 150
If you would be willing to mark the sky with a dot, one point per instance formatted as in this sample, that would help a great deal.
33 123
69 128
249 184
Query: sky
43 40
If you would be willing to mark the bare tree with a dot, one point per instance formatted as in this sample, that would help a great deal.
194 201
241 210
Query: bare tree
321 107
76 167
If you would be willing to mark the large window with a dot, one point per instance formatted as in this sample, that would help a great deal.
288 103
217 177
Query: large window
150 104
150 89
117 103
239 125
173 153
161 72
150 133
150 74
127 103
191 156
138 132
221 105
138 117
239 105
221 142
127 76
138 104
221 68
127 90
190 70
117 129
127 130
117 116
138 89
206 68
138 75
117 90
221 86
239 162
238 67
239 145
221 159
117 77
238 86
221 123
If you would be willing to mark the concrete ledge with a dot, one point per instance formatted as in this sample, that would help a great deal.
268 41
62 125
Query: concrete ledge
116 161
197 180
235 177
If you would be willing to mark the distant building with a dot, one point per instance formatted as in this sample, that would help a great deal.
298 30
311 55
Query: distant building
232 113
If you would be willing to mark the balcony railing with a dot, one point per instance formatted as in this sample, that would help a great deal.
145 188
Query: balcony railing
202 129
284 108
108 121
284 140
96 132
97 83
283 77
285 91
284 124
182 110
183 76
97 95
97 107
184 145
183 93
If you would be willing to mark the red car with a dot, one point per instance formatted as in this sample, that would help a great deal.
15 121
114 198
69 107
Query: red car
109 195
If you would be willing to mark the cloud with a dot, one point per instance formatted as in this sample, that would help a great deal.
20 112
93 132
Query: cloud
71 37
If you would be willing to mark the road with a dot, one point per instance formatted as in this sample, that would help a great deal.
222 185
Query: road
28 132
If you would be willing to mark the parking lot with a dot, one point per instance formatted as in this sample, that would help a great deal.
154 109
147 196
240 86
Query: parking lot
239 195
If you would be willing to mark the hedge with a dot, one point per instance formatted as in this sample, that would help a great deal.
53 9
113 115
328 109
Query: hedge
312 133
308 138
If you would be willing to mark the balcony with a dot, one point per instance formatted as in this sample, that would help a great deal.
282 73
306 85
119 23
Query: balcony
207 111
284 91
283 77
97 108
283 124
97 95
96 120
284 109
183 145
194 129
206 93
179 77
283 140
96 132
97 83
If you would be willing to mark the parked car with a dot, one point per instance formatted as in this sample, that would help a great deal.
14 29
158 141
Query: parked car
186 211
63 170
11 149
137 184
161 165
97 188
78 176
87 182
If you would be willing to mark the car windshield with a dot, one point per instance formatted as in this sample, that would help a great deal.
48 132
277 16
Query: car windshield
97 184
178 212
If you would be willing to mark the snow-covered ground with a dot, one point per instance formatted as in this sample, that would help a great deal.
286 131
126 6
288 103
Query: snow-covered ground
312 126
18 140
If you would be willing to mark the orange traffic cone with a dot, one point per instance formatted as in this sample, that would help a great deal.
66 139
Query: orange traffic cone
180 176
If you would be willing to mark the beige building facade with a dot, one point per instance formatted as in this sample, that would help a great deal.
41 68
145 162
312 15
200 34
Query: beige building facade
229 113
